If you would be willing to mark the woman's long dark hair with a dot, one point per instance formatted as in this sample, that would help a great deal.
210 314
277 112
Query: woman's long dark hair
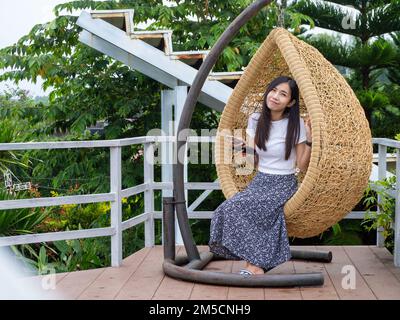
293 113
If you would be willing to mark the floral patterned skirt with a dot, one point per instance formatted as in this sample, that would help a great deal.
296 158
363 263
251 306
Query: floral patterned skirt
251 225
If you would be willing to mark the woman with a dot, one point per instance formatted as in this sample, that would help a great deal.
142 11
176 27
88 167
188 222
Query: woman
251 225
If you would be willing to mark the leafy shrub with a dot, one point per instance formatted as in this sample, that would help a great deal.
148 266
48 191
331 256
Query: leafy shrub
82 254
384 217
66 255
74 216
345 232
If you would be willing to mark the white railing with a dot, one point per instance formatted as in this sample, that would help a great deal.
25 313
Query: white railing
114 196
116 193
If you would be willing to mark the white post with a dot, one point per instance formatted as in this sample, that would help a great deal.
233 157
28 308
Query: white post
149 194
396 249
116 206
167 128
382 166
180 97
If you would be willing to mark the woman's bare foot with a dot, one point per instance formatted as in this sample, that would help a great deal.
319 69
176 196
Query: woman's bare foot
254 269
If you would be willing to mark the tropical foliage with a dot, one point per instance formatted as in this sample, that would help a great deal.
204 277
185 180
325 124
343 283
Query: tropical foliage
364 39
380 214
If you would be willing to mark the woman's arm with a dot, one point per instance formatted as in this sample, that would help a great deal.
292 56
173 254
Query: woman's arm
303 151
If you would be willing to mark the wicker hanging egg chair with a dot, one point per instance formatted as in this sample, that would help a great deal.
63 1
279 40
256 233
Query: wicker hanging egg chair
190 268
341 157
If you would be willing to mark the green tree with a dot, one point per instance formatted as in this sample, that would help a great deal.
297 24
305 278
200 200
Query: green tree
394 71
17 112
368 51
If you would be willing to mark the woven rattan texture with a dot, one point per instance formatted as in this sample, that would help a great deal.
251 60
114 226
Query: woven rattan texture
341 157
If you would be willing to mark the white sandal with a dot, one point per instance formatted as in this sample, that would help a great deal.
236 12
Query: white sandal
246 273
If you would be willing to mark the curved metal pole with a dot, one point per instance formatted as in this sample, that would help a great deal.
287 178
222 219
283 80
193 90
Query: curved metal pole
182 267
192 272
230 279
186 118
169 228
320 256
307 255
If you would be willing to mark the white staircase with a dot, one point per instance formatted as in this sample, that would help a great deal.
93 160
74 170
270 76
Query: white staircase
151 53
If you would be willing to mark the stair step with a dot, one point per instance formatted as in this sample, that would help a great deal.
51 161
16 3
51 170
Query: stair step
228 78
221 76
160 39
192 58
122 19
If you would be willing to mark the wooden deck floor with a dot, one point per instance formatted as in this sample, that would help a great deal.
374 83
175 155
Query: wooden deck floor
141 277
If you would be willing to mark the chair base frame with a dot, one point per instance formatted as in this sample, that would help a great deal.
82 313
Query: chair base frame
190 268
183 268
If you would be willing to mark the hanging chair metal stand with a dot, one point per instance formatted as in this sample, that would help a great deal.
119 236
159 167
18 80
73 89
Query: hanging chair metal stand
189 268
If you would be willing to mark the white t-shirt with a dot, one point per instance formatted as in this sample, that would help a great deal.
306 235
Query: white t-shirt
273 159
